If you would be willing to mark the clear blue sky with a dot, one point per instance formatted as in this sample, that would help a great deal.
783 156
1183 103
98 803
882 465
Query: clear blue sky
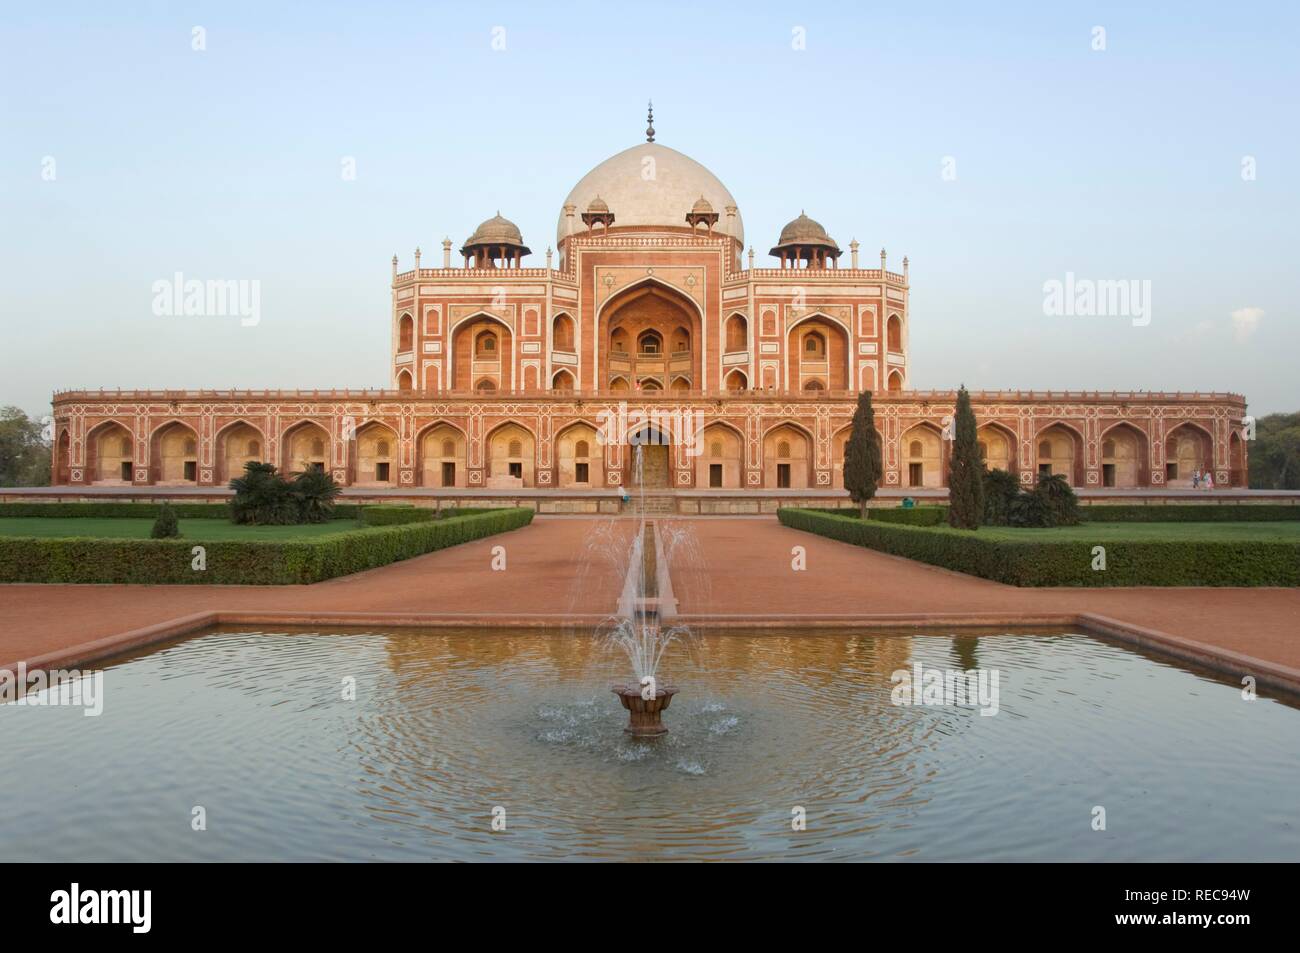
1122 164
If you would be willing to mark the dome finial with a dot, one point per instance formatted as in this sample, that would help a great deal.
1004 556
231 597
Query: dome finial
650 122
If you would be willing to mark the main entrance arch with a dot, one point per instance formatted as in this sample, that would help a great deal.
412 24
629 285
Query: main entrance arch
650 331
649 458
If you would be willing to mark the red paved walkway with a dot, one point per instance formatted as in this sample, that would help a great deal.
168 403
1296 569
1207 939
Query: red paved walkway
749 572
734 566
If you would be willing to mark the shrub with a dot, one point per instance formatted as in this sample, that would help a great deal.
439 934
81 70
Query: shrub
1001 489
314 492
242 562
262 497
1060 505
1056 562
1027 509
166 526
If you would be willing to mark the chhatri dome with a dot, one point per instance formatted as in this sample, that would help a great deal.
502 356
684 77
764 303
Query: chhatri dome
651 185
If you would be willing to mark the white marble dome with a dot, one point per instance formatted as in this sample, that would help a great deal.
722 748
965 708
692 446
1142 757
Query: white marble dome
678 183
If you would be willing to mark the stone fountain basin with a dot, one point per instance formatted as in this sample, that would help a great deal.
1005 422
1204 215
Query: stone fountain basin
644 713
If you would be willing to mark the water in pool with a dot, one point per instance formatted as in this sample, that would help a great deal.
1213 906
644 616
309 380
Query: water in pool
450 731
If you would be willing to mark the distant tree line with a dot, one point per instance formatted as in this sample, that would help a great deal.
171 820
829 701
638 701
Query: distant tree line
1274 455
24 450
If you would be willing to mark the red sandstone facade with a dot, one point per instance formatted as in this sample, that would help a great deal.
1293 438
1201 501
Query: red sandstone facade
505 376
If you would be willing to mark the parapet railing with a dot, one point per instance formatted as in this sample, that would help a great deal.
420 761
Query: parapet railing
903 396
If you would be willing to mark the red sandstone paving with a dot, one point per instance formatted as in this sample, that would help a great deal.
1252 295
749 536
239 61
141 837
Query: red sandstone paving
735 566
548 571
749 572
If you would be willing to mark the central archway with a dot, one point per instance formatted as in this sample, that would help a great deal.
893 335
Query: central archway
649 331
654 446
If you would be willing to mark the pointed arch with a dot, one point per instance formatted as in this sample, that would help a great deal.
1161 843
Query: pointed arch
174 454
405 333
894 333
997 446
923 455
579 455
817 348
62 469
237 443
648 305
110 452
1236 459
563 382
735 333
1058 451
787 456
471 369
441 449
564 333
1189 447
1125 456
721 460
305 445
374 454
511 453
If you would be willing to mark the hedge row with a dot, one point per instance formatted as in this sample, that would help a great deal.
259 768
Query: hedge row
911 516
396 515
1189 513
262 562
143 511
1065 563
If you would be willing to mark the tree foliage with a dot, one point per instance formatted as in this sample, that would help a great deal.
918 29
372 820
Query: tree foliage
314 492
24 450
1000 492
862 460
263 496
965 469
1274 456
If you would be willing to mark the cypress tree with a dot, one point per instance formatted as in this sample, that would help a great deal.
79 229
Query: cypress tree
862 463
965 469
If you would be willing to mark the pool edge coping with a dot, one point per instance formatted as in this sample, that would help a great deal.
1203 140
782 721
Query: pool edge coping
1226 661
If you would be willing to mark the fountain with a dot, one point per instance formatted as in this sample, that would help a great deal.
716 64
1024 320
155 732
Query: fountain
638 629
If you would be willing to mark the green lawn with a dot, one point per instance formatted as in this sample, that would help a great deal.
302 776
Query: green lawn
1281 532
199 530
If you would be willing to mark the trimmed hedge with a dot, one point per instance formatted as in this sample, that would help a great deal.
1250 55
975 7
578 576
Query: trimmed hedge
1189 513
911 516
261 562
1064 563
396 515
385 514
140 511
